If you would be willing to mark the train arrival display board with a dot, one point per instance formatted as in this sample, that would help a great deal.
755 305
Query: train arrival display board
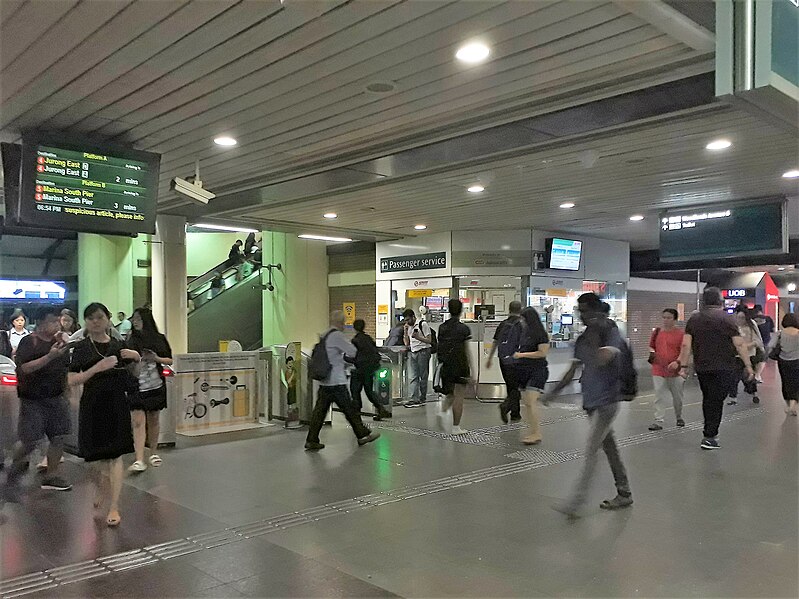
724 231
88 187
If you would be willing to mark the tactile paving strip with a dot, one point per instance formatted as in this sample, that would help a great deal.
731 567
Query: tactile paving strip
524 461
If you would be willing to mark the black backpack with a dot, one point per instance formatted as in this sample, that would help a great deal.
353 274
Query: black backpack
628 375
433 337
319 366
510 341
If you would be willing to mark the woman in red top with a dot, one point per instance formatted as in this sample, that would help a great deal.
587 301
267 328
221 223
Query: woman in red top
664 352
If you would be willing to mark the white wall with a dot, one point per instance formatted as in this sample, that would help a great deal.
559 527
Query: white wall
206 250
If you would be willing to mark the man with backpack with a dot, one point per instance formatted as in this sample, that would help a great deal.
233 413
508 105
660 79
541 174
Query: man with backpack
512 402
608 377
366 361
418 336
327 367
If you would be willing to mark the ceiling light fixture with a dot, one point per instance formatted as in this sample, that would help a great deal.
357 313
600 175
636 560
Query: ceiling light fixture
330 215
567 205
792 174
225 228
719 144
323 237
636 217
476 189
473 52
420 227
791 287
225 140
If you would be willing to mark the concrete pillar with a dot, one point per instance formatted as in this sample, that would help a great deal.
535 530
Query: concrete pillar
105 272
169 280
298 308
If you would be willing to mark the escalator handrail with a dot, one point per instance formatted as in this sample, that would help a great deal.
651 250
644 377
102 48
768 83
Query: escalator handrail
209 274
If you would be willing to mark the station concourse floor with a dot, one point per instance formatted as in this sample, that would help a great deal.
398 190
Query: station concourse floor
422 514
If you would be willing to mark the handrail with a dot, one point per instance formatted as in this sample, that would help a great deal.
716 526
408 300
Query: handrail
199 294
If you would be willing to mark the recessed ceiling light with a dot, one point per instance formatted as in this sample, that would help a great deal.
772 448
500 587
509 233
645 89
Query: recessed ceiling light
636 217
476 189
791 287
225 228
719 144
323 238
567 205
381 87
781 268
792 174
331 215
473 52
420 227
225 141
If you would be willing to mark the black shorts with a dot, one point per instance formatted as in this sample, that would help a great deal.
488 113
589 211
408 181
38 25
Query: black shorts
531 379
149 401
43 417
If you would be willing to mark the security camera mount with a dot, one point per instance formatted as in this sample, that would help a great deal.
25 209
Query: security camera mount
269 285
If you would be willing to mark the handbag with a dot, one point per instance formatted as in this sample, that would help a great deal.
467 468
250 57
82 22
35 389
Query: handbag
774 354
651 358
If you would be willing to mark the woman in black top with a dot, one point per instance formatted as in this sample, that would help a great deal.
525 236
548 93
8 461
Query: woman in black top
531 370
456 372
145 406
100 363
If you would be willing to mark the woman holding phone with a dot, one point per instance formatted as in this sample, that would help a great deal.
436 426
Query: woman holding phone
144 408
100 363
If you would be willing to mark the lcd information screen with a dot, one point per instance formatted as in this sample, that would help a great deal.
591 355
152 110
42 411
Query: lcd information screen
564 254
94 188
724 231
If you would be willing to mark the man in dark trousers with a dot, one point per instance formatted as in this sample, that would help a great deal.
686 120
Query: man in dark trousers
713 337
333 388
44 408
366 361
512 400
597 352
235 255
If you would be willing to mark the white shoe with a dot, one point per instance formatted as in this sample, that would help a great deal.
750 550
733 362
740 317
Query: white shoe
137 466
456 430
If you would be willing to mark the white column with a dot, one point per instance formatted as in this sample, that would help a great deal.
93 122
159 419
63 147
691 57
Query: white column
169 280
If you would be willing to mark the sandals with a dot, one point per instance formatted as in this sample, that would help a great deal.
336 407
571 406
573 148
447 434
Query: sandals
155 461
137 466
616 503
113 519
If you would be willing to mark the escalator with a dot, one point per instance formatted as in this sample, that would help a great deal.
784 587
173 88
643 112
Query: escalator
230 311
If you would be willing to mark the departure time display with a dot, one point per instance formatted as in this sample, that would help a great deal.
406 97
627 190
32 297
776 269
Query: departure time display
89 189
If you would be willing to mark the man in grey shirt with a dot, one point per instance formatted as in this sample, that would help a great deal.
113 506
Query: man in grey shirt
333 389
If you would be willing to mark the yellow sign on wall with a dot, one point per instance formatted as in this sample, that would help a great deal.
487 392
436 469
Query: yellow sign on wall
555 292
420 293
349 313
382 308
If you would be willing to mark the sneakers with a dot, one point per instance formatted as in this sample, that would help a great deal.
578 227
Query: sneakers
617 503
515 418
137 466
381 414
680 422
456 430
655 427
368 438
155 461
314 445
53 483
708 443
732 402
503 413
414 404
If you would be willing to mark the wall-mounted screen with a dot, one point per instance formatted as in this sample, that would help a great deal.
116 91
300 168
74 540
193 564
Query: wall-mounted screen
84 186
32 290
724 231
564 254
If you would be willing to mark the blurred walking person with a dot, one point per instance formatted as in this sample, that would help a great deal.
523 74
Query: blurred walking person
750 333
786 349
455 368
367 362
512 403
530 370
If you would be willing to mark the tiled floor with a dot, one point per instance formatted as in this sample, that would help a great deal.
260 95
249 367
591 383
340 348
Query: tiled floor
704 524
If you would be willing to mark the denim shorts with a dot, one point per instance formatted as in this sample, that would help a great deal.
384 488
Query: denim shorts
43 417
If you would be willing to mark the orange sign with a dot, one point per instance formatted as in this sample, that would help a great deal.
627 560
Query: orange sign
420 293
558 292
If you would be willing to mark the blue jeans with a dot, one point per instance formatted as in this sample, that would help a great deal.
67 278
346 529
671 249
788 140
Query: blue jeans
420 371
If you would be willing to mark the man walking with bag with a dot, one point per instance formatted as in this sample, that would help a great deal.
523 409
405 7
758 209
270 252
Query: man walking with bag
512 402
664 350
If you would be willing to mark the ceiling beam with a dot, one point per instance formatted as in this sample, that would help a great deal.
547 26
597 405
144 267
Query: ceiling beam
671 22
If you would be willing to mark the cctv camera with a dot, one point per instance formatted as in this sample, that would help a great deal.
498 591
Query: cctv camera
270 287
192 190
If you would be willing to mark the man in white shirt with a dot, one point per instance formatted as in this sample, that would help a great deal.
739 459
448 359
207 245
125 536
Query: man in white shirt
124 325
418 337
333 389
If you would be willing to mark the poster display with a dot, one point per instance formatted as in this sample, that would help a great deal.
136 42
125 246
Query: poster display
349 313
216 390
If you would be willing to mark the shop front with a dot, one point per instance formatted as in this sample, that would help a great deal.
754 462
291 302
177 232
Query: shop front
487 270
751 289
